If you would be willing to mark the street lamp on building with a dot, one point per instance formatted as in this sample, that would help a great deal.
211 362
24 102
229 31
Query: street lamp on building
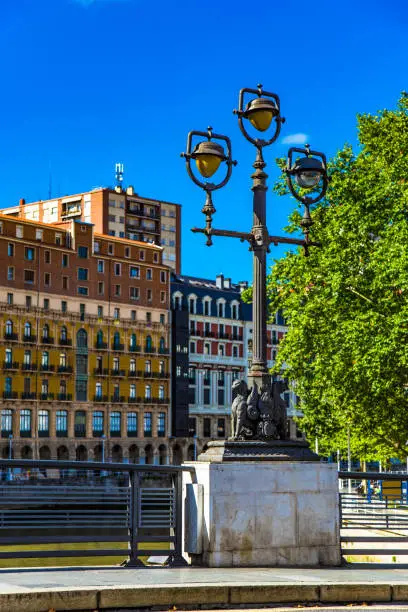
258 111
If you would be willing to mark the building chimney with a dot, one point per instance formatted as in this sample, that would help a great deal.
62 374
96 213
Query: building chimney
219 281
243 285
22 202
227 283
130 190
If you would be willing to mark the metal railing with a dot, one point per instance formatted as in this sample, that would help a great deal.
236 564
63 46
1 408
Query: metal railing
378 515
65 502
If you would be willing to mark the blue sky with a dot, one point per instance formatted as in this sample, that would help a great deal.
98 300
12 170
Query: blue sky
87 83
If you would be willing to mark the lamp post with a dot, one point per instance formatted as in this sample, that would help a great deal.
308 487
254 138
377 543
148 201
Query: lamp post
103 437
10 475
307 181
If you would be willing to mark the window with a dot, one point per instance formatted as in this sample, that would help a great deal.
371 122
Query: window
58 239
61 423
45 359
149 274
134 272
116 363
221 428
10 299
82 339
148 317
161 367
101 266
162 319
9 327
132 342
111 248
161 392
207 397
29 253
80 424
116 313
192 347
132 366
127 250
116 341
178 370
221 307
9 356
207 348
27 330
82 309
100 312
162 276
207 428
82 290
221 397
132 424
161 424
46 304
64 260
6 421
162 296
27 358
235 351
101 288
133 315
234 311
155 258
10 250
47 279
206 308
132 391
65 282
221 350
19 231
97 423
64 334
117 269
98 390
25 423
115 424
8 386
134 293
38 234
83 252
117 290
112 218
147 424
46 332
192 375
148 366
28 301
10 273
47 257
43 422
141 255
29 276
83 274
148 392
192 426
149 295
148 344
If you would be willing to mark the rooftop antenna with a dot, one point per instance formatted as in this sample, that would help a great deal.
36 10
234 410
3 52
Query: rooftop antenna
119 175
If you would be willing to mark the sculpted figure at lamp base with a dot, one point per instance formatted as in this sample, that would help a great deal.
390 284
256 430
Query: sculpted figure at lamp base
258 416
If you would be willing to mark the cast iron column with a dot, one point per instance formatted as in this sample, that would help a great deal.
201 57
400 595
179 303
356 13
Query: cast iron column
259 371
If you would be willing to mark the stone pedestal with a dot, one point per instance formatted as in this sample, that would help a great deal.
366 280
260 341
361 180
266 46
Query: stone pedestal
252 512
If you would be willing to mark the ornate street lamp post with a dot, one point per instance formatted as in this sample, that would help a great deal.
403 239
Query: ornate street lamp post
307 181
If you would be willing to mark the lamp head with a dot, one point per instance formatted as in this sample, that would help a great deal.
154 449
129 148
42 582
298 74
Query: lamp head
208 155
260 112
308 171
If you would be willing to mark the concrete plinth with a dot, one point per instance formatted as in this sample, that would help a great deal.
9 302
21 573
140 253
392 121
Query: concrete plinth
272 513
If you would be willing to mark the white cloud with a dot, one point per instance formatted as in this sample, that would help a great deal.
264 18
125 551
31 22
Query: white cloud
295 139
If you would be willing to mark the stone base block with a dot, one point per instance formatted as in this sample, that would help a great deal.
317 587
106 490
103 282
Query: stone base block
264 514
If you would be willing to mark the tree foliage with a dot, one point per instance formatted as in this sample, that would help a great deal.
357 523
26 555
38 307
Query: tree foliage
346 349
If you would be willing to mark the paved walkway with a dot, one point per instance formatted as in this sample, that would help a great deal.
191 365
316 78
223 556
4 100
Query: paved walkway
37 590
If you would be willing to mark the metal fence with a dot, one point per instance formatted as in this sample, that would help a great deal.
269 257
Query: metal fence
73 502
376 515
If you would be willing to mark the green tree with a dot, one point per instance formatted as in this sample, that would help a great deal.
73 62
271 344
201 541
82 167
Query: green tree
347 303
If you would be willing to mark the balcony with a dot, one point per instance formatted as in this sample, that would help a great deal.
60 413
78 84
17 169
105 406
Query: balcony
65 342
118 373
47 368
30 338
101 345
10 365
27 395
236 337
62 433
100 398
135 348
46 397
147 374
64 397
150 349
209 334
132 400
11 336
195 332
47 340
65 369
43 433
163 351
117 399
117 347
101 371
223 336
29 367
135 373
9 395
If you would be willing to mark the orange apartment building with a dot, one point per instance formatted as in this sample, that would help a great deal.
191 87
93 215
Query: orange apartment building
118 212
84 342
